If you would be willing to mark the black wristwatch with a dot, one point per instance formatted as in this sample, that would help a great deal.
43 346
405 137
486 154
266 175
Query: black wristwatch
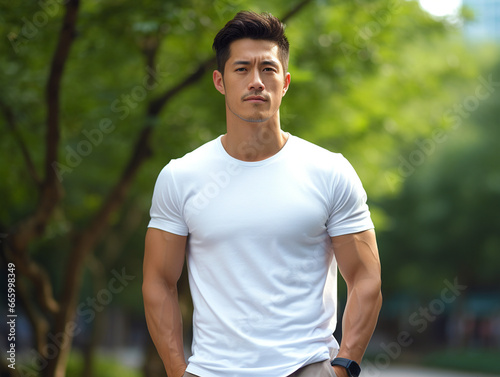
352 367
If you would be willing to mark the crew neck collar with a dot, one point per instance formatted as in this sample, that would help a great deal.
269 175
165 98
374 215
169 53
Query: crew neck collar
275 156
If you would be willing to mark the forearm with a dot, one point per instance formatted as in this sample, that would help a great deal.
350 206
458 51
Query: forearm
364 301
164 322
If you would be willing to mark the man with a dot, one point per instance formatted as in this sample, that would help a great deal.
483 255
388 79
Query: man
265 218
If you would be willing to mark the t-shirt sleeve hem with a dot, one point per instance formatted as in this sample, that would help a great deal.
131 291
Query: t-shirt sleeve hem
350 230
168 227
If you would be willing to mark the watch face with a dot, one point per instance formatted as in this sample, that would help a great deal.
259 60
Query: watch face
354 369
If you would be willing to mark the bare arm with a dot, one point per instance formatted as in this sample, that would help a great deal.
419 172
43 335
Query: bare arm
358 262
163 261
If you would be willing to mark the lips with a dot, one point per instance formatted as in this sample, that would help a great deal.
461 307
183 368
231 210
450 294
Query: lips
255 99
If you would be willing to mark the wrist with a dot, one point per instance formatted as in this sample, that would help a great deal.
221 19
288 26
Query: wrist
347 367
176 371
340 371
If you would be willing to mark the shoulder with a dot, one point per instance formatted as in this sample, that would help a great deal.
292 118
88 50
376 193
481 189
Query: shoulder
319 157
190 167
207 151
195 160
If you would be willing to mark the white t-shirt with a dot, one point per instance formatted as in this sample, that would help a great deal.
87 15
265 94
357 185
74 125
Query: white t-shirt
261 269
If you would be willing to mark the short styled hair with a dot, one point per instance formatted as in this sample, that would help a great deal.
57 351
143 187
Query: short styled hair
251 25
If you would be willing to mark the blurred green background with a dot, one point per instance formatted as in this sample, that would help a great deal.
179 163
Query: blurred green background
97 96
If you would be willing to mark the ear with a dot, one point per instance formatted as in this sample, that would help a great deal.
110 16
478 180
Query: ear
219 82
287 83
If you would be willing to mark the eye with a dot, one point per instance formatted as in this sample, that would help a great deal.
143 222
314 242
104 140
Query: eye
269 69
240 69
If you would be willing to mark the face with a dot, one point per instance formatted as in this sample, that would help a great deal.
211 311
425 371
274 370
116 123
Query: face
254 82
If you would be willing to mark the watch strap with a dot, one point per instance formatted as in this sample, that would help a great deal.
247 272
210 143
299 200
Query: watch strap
352 367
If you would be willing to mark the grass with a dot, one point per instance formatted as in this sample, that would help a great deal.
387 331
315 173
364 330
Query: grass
103 367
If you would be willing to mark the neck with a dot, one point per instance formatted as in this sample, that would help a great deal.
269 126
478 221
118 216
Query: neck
253 141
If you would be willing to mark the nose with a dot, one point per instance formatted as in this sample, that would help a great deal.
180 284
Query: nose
256 82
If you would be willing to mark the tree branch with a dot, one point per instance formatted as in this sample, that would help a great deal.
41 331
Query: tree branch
53 88
40 323
38 276
157 105
11 123
51 191
295 10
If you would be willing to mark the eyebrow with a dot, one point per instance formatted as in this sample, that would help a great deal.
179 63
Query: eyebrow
265 62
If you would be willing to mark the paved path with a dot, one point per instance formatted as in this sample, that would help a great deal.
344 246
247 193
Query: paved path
419 372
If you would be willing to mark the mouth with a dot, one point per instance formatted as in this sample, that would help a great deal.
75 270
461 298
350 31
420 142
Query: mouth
255 99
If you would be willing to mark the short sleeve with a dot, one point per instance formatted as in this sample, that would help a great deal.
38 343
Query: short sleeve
166 207
349 212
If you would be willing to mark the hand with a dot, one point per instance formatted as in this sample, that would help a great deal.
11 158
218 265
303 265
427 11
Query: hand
340 371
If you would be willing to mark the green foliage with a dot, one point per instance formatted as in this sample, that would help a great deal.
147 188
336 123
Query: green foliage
479 361
445 221
371 86
104 367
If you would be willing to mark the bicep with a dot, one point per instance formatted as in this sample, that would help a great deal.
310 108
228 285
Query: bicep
357 256
164 255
